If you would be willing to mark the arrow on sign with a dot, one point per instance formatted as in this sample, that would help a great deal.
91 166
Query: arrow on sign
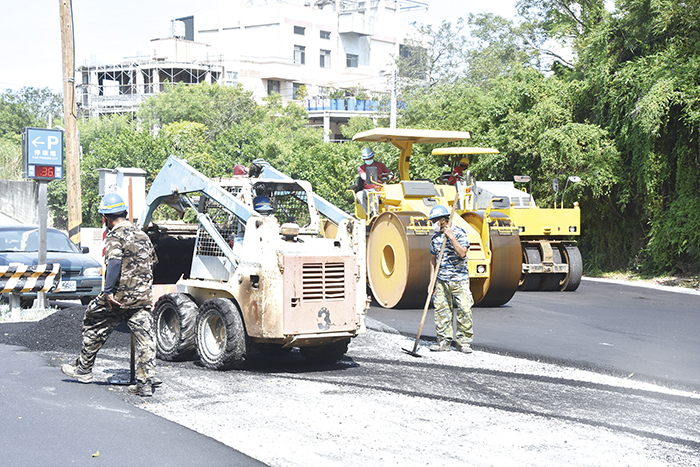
37 141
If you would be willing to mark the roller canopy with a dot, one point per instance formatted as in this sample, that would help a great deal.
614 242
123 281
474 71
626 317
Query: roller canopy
463 151
405 138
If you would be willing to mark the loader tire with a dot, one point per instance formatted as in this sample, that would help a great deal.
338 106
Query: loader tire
174 317
220 335
329 353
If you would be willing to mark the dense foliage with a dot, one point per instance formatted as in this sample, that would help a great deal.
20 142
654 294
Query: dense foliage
621 112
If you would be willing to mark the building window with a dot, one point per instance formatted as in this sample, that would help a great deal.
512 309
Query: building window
351 61
299 55
299 30
326 35
231 78
273 86
325 58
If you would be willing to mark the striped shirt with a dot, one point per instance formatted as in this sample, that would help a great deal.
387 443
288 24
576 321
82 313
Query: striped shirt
452 267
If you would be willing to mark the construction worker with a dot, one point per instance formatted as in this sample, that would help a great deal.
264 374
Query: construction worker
262 205
452 285
458 171
370 183
127 296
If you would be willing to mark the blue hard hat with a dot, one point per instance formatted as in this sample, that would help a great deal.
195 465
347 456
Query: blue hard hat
438 212
112 203
367 153
262 204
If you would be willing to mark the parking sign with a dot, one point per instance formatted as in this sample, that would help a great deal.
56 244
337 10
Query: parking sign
42 153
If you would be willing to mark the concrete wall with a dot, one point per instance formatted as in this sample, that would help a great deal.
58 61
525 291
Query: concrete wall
19 200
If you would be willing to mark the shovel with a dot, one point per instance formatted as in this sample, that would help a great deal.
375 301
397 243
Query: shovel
431 286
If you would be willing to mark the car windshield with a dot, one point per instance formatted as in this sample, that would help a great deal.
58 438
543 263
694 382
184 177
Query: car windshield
28 241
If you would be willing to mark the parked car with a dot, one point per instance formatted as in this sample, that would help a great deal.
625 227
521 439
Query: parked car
81 274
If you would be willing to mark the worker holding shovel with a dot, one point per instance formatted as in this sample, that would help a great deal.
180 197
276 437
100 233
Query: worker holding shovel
452 283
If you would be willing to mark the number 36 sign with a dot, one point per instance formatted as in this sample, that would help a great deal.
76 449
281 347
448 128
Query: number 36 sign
42 153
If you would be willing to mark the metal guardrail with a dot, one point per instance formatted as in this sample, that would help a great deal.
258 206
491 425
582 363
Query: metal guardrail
23 278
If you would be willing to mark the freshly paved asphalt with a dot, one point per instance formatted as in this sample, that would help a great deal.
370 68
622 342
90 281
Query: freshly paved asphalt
642 332
47 419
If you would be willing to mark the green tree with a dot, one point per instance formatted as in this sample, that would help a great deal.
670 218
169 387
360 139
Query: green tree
496 49
641 72
431 56
566 22
217 107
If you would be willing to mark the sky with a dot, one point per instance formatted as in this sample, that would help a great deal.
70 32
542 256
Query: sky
109 31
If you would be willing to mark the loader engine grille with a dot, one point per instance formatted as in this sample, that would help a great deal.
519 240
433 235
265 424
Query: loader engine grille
291 206
323 281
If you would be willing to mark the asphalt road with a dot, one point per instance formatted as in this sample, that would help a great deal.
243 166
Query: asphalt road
617 328
47 419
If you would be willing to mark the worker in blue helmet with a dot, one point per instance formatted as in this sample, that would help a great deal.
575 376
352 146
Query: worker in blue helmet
371 174
263 205
452 284
126 296
112 204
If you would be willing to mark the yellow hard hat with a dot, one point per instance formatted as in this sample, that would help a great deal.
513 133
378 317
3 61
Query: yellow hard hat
464 161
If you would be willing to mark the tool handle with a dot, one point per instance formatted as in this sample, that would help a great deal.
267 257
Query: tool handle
433 278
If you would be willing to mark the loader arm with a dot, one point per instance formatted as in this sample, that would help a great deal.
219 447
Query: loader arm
174 181
177 177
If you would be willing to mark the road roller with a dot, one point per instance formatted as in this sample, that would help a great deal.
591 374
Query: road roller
550 258
399 232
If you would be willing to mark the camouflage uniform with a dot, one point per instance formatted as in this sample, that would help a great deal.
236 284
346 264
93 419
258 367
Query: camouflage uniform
133 290
452 285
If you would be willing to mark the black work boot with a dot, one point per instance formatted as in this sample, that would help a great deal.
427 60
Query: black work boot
77 372
141 389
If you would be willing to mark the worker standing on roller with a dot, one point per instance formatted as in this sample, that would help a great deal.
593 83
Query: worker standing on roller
452 283
371 172
127 296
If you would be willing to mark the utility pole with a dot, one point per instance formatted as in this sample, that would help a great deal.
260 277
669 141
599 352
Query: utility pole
75 218
392 112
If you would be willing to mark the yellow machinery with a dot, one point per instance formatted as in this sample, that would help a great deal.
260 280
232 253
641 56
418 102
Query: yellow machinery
550 258
398 257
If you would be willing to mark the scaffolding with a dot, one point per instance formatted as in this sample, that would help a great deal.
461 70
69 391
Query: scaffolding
121 88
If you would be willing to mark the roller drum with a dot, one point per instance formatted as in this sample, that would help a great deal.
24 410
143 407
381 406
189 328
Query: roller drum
505 269
398 261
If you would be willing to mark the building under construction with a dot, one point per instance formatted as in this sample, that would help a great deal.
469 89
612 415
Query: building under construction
297 48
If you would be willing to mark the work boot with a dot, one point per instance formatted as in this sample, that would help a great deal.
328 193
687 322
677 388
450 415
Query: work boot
141 389
155 382
441 346
464 348
77 372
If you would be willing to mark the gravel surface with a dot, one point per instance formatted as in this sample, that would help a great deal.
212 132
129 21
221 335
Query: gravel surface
382 407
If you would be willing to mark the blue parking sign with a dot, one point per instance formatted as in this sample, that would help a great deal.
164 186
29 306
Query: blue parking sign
43 153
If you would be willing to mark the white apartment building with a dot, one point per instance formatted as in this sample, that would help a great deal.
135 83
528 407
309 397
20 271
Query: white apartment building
283 46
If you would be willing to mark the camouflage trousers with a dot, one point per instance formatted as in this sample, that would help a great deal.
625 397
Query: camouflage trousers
447 292
98 324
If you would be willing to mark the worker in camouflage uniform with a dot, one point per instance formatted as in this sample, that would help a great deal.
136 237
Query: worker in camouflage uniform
452 285
127 296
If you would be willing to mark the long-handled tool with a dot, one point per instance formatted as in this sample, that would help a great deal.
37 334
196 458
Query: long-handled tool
431 286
